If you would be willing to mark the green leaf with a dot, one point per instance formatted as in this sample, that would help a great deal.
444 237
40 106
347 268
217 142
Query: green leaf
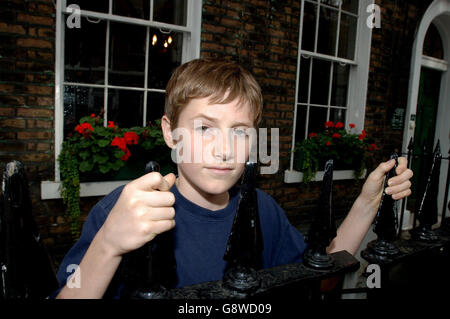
102 143
85 154
100 159
86 166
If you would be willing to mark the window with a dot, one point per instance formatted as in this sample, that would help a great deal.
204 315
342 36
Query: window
118 59
332 65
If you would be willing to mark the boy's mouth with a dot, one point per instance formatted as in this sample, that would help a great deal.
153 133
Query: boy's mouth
220 170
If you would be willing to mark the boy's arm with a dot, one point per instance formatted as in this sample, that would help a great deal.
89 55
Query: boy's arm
143 210
355 226
95 271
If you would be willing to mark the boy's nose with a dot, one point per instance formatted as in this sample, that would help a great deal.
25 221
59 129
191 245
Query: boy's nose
223 150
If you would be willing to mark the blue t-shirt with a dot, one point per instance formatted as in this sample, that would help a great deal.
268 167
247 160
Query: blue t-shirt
201 236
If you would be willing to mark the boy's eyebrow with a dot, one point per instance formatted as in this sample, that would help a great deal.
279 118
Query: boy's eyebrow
213 119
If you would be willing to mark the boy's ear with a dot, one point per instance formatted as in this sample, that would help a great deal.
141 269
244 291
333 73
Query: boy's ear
167 131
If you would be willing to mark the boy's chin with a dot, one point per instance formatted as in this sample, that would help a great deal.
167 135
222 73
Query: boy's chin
217 187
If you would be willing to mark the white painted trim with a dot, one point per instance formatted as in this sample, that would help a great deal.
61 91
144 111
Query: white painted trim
51 190
293 176
358 74
191 50
433 63
437 13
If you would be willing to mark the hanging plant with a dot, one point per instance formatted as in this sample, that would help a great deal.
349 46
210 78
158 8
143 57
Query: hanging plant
95 150
347 149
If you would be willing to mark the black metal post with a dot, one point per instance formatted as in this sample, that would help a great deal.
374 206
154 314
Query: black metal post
385 224
149 271
444 224
427 212
323 228
245 243
402 212
26 267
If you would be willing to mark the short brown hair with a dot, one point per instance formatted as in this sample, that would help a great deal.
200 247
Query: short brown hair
212 78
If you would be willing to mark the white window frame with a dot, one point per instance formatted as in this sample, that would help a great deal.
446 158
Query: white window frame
191 50
357 86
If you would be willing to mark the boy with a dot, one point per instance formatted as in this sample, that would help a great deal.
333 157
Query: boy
199 204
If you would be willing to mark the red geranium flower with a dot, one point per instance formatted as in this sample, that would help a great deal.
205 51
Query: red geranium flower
131 137
328 143
127 155
111 124
336 135
372 147
352 125
81 128
120 143
92 115
339 125
362 135
329 124
311 135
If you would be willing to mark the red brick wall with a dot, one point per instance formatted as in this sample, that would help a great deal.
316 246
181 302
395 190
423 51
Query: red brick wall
261 35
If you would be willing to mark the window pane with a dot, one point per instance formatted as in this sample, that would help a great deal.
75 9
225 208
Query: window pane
301 123
350 6
309 26
125 107
132 8
337 115
127 54
84 53
304 80
164 57
317 119
347 36
432 46
339 85
97 5
78 102
328 21
170 11
155 106
320 81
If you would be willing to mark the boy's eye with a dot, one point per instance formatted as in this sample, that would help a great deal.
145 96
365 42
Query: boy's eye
239 132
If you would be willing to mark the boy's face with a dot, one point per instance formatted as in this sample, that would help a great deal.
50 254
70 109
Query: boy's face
218 144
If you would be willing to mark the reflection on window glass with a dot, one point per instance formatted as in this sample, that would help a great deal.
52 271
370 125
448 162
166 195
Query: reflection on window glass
347 37
304 79
132 8
164 57
350 6
337 115
97 5
170 11
317 118
78 102
84 54
320 82
155 106
326 42
127 54
309 26
339 85
125 107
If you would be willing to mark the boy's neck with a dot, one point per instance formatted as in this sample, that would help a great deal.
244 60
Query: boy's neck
209 201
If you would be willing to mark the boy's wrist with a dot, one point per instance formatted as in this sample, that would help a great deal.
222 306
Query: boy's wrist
104 247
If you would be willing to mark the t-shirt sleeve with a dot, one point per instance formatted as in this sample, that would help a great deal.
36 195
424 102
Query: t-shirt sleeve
283 243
